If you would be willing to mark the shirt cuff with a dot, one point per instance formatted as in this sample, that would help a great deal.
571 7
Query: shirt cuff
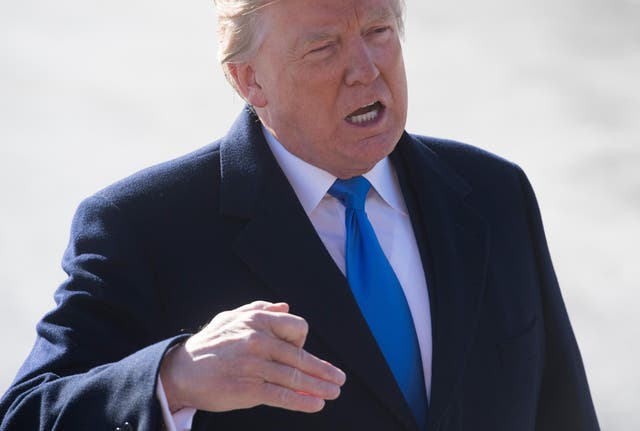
178 421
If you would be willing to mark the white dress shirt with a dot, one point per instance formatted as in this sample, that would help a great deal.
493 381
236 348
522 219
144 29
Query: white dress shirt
387 212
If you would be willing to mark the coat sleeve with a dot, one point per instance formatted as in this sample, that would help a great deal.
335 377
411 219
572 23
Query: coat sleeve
95 361
564 401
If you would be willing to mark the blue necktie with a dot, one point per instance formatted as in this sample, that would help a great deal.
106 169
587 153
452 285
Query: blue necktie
380 296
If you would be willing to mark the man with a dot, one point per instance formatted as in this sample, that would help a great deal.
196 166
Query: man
266 215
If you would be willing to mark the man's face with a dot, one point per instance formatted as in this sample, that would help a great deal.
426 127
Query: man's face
330 82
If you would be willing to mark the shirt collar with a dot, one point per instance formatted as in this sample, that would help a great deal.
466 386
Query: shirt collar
311 183
384 180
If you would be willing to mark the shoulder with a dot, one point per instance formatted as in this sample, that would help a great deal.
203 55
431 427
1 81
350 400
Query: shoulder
490 182
465 157
177 179
478 168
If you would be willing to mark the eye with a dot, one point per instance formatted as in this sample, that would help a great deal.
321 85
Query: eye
380 33
323 47
319 49
380 30
322 50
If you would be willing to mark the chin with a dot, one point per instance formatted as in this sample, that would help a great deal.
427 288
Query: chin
379 146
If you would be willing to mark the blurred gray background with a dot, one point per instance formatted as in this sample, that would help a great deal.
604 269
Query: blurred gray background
91 91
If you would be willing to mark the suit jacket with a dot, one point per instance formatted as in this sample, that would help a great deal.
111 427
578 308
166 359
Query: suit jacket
158 254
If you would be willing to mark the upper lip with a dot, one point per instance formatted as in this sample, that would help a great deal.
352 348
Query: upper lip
363 105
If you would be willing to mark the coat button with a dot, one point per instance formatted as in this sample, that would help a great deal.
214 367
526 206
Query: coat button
125 427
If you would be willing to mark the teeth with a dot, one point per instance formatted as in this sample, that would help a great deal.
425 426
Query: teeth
368 116
364 117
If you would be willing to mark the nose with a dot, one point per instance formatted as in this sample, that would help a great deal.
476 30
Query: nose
361 67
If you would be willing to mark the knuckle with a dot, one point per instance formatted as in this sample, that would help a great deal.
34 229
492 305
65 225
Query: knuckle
284 396
300 355
251 306
294 377
304 326
260 317
254 342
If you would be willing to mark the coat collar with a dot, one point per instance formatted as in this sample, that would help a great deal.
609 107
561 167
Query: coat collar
452 237
453 241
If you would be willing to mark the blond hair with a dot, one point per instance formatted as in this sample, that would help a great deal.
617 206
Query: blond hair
240 35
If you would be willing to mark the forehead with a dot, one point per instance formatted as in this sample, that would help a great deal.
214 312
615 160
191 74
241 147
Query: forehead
309 16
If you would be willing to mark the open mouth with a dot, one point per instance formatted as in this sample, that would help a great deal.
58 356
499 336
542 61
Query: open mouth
366 114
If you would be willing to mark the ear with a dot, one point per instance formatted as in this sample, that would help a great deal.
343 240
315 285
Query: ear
244 77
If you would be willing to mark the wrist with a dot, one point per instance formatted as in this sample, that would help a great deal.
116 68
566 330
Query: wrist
171 381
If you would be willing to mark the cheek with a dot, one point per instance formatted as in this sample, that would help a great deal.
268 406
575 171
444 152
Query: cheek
320 111
320 81
399 72
400 92
394 64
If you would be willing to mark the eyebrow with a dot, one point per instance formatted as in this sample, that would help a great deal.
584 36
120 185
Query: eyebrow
380 14
317 36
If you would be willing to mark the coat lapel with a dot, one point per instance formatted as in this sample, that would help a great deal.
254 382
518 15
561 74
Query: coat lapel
280 245
453 242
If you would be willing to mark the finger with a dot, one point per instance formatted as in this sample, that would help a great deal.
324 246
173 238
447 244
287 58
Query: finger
307 363
281 307
279 396
294 379
288 327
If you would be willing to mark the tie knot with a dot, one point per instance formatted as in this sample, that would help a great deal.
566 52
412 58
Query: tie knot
351 192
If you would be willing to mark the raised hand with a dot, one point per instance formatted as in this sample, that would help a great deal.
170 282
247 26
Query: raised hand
246 357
